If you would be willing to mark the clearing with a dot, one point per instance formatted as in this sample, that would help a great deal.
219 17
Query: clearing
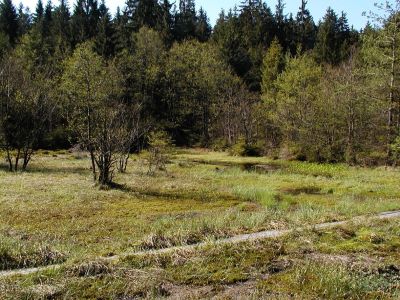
53 214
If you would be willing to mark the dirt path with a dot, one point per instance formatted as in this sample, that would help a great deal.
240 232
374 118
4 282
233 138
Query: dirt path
236 239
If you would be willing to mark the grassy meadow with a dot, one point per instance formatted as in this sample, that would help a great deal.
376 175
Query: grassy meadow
53 213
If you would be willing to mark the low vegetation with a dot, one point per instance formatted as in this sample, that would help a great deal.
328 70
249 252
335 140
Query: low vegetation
358 261
203 196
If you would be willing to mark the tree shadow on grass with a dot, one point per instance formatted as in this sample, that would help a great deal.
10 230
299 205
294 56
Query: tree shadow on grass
47 169
200 196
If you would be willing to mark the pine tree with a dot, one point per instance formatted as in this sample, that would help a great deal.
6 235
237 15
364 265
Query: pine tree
334 39
346 37
9 21
94 17
40 43
131 7
47 21
79 23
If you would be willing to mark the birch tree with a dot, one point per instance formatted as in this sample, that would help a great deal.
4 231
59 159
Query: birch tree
103 123
381 50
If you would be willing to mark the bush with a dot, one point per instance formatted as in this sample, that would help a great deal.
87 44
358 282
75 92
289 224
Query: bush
56 139
158 153
372 159
396 150
220 145
241 148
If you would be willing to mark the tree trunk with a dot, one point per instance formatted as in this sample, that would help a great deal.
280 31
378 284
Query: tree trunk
27 157
104 164
9 159
17 160
390 135
123 162
93 163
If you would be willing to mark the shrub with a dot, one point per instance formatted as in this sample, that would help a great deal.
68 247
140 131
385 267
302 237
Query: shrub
372 159
242 148
158 154
396 150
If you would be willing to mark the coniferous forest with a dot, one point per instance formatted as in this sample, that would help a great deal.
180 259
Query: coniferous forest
261 82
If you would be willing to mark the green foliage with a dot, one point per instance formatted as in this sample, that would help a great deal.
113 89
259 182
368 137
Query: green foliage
192 71
9 21
158 153
396 149
26 108
243 148
306 28
208 86
272 67
143 70
334 39
298 106
58 138
104 124
4 44
144 13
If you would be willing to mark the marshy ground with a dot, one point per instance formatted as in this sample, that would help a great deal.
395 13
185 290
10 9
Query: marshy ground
54 214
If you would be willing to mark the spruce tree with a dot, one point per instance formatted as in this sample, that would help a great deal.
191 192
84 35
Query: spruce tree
104 40
24 20
122 32
84 20
148 14
62 29
185 20
280 21
39 12
227 35
203 27
9 21
306 31
258 28
143 13
327 48
166 25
